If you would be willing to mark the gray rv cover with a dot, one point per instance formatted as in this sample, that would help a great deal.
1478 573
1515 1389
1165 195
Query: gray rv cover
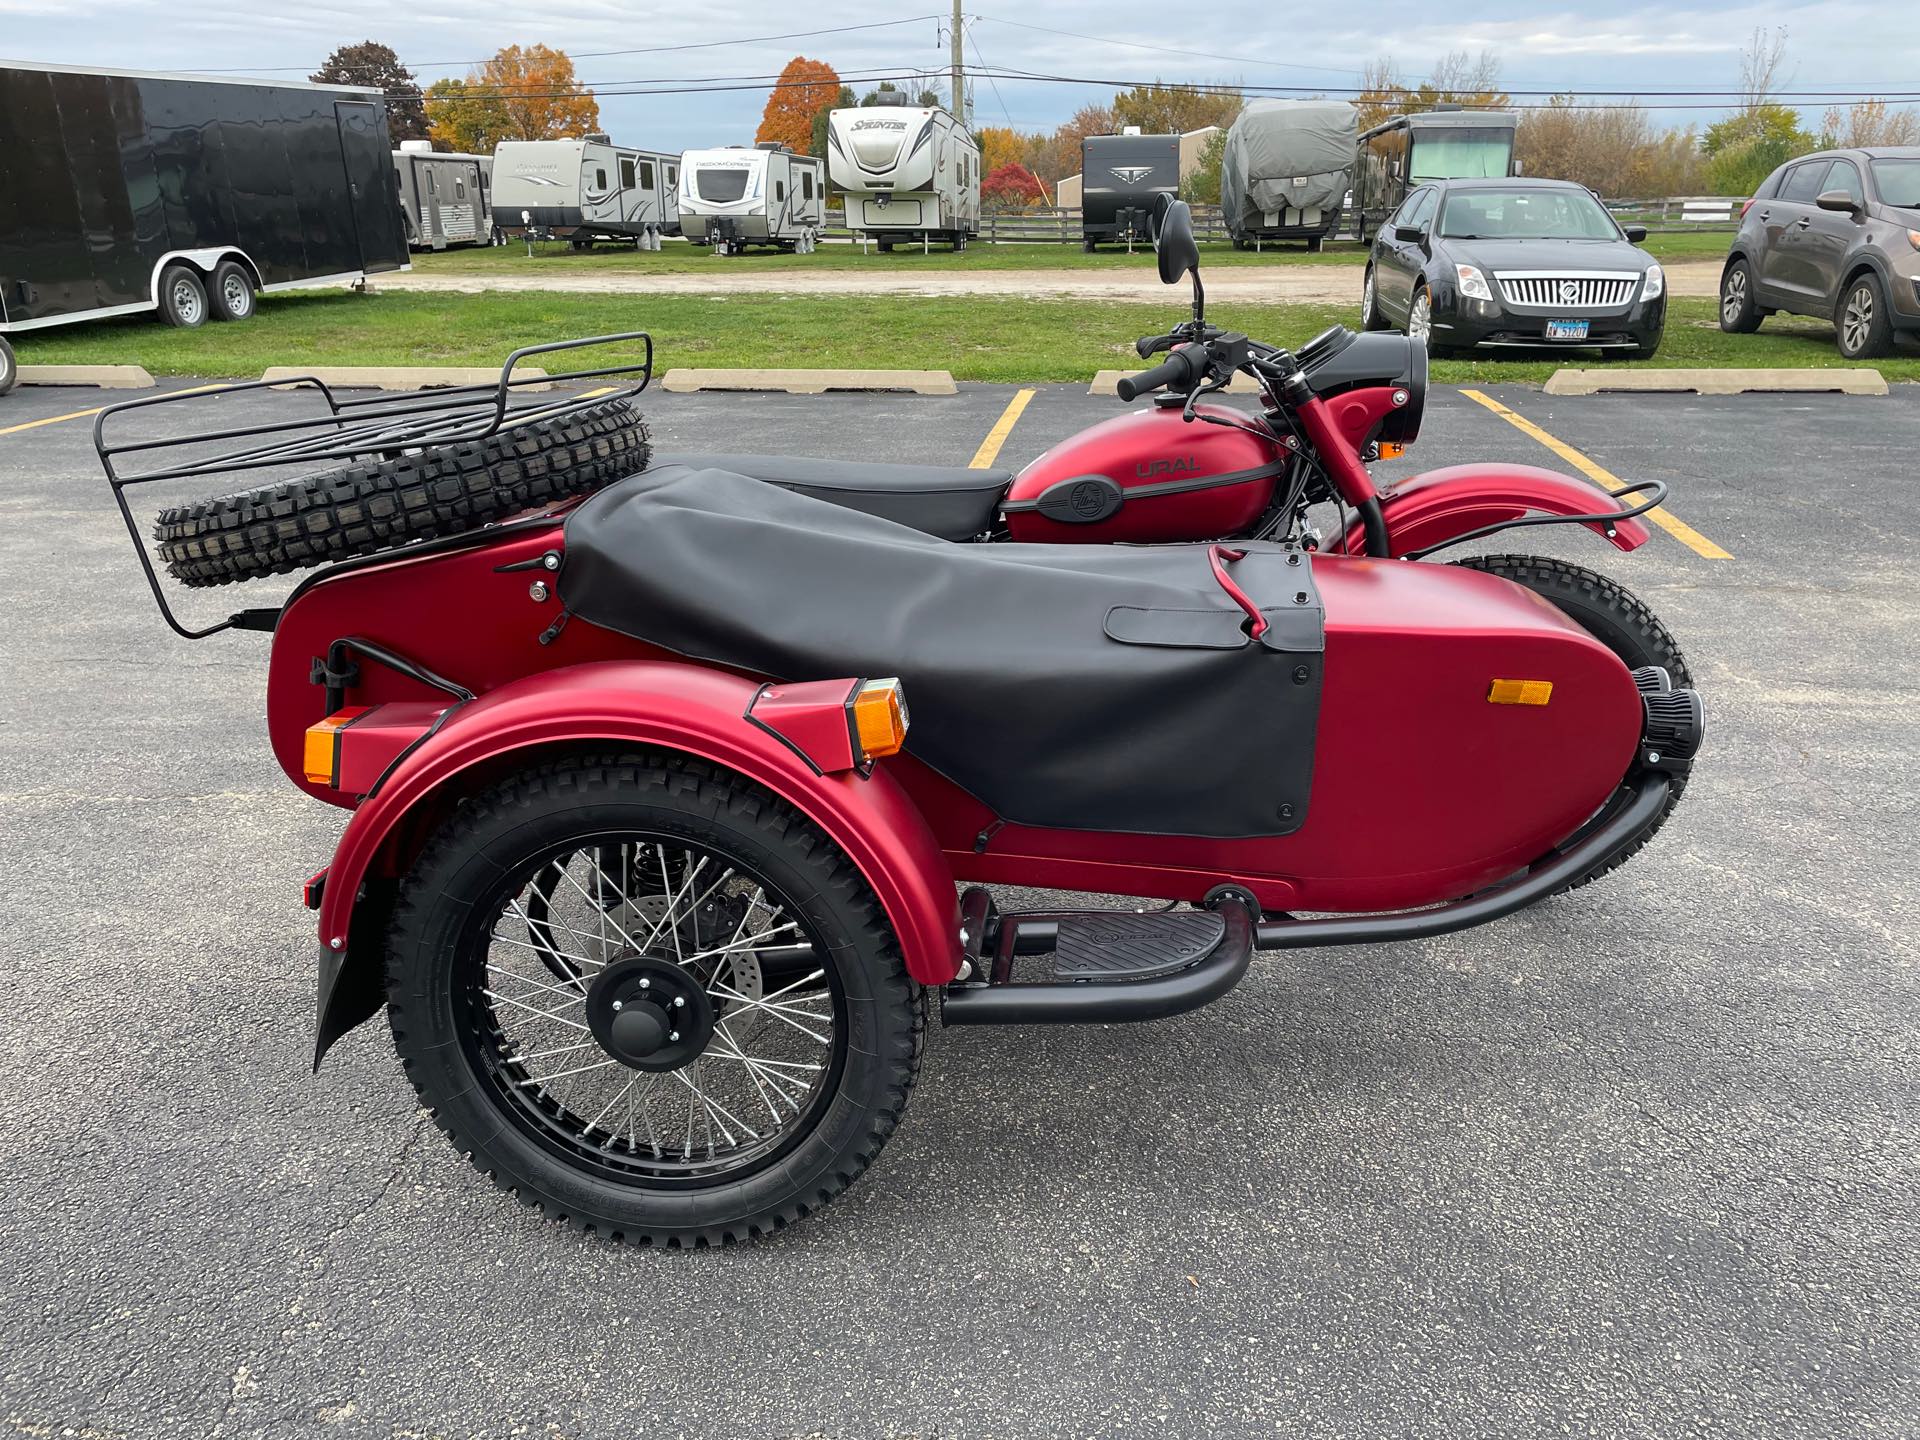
1086 687
1274 143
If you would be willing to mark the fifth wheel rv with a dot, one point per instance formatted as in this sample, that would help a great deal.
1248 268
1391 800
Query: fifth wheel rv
909 172
585 190
735 197
443 196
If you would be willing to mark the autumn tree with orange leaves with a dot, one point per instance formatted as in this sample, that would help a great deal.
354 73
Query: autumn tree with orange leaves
523 93
805 88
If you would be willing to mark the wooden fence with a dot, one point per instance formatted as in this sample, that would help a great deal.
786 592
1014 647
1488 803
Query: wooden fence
1062 226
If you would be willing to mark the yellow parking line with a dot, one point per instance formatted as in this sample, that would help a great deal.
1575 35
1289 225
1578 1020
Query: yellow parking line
85 414
989 450
1606 479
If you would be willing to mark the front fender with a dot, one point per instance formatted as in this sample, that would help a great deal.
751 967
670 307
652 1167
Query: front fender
665 704
1439 505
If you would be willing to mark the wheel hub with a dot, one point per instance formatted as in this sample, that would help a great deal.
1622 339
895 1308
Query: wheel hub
650 1014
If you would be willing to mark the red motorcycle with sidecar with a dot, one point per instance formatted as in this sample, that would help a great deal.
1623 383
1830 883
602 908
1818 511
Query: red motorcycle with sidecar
665 774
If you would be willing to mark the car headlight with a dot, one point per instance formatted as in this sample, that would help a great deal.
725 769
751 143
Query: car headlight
1656 283
1473 284
1913 238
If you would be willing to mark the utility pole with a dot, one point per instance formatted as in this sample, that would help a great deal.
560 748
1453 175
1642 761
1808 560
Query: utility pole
959 65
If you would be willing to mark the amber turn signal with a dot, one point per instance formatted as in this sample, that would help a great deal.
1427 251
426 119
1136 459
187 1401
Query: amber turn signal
1520 692
879 718
1391 449
323 745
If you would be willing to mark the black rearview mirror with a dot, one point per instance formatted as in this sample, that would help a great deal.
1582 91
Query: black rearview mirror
1173 243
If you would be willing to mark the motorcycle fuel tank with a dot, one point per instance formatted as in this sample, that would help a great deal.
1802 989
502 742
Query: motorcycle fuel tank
1148 475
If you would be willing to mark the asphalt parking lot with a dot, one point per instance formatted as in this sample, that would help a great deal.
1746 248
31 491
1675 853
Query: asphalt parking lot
1642 1161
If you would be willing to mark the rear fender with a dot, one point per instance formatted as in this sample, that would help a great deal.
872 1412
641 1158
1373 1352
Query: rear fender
667 705
1439 505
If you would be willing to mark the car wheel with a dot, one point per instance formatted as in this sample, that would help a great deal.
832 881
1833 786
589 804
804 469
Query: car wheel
1738 314
1370 305
9 367
1864 327
1645 351
1420 322
183 299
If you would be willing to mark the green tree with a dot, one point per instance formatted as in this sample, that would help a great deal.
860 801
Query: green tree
376 66
1202 184
1746 147
1175 109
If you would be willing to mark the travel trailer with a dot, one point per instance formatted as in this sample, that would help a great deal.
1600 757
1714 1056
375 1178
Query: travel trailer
1455 144
584 190
735 197
1121 176
1286 170
184 195
909 172
444 197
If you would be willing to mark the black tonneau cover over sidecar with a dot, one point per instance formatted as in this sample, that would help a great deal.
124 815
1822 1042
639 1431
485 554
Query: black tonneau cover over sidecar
1089 687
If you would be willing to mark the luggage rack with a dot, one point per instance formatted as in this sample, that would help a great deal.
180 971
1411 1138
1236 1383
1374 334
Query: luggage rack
348 429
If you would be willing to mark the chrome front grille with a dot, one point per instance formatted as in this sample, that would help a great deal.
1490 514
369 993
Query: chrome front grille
1569 292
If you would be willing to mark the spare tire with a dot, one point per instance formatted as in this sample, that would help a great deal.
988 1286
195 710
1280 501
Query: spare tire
374 505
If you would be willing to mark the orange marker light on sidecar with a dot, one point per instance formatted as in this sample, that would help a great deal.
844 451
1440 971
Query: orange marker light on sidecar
323 745
879 718
1520 692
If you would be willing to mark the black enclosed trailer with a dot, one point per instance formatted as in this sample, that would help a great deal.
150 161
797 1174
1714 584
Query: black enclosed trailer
1120 178
123 192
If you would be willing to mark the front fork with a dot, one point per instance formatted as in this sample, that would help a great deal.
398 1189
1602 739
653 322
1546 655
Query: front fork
1343 468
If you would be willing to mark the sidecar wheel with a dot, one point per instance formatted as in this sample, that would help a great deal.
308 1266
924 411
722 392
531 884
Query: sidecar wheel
1619 620
689 1083
373 505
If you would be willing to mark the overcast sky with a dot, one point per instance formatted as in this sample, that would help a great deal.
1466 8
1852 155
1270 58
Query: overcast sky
1833 44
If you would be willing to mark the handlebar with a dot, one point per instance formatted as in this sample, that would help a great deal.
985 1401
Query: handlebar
1183 368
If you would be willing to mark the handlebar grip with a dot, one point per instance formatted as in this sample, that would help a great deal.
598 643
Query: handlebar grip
1182 367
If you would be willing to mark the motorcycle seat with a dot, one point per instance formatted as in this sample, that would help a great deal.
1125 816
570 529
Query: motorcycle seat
945 501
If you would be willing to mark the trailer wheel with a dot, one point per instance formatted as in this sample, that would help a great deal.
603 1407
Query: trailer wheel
9 367
375 505
1314 243
231 295
183 298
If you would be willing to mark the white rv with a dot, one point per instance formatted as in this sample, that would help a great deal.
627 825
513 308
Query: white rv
444 197
736 197
909 172
583 190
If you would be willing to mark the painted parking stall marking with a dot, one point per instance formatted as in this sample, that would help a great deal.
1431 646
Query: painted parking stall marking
989 450
1603 477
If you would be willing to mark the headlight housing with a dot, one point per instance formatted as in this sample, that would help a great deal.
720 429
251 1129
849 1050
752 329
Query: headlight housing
1655 285
1473 284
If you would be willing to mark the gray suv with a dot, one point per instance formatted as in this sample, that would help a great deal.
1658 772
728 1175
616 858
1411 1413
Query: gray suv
1835 235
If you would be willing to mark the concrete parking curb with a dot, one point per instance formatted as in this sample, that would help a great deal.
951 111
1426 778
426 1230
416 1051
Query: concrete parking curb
404 377
810 382
1717 382
1106 382
104 377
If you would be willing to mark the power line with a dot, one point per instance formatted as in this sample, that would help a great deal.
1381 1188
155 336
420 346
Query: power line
605 54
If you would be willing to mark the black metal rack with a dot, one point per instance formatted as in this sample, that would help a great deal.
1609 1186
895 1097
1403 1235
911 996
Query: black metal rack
347 430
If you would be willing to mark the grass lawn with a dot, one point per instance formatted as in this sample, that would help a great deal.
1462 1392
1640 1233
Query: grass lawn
677 258
976 338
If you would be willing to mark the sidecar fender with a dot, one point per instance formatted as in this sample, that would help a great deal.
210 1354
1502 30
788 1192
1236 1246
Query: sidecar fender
1438 505
660 704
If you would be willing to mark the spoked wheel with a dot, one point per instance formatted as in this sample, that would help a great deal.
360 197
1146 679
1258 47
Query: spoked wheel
1623 623
652 1000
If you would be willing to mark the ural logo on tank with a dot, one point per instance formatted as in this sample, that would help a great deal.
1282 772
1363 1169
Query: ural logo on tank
1147 469
1130 174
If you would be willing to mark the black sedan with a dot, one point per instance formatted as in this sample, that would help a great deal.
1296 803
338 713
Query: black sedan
1514 263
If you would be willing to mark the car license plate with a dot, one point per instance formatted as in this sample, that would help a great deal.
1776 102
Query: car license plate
1567 329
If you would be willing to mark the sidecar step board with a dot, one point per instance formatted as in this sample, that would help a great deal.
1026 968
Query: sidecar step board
1120 945
1112 967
